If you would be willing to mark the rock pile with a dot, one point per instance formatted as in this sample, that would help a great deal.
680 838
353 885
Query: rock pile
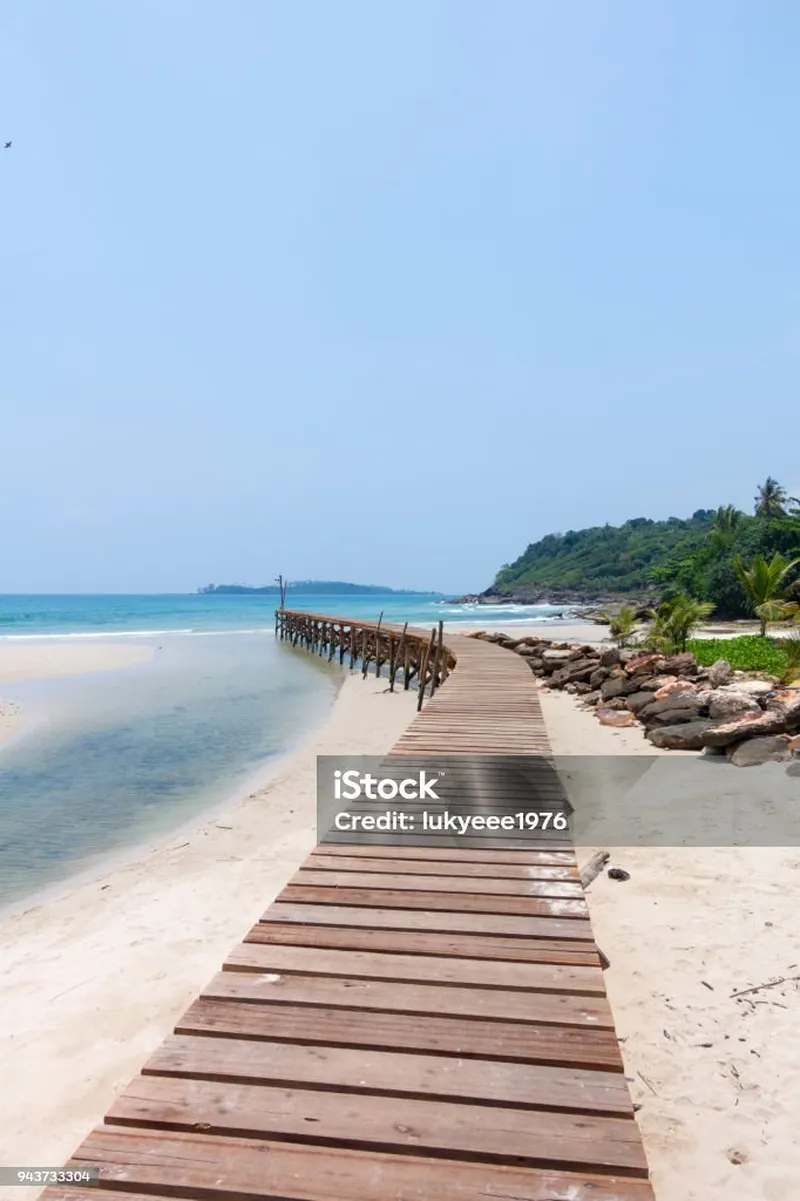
681 705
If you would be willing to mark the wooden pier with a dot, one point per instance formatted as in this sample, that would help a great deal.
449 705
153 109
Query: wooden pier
405 1023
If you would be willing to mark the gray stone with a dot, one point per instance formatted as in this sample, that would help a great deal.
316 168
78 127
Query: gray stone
597 676
617 686
719 673
745 726
554 658
723 704
761 750
609 657
683 702
638 700
683 664
688 736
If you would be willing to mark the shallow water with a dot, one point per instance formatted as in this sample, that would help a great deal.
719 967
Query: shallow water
115 758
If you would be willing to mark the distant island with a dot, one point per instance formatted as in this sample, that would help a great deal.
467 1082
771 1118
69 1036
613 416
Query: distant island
311 588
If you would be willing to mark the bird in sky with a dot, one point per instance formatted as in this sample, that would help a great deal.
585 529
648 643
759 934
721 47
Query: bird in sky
7 146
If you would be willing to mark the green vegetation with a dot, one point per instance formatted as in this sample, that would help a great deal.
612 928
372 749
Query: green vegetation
622 625
762 583
674 621
695 558
310 588
750 652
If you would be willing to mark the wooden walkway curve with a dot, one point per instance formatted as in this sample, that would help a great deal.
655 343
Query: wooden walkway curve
405 1023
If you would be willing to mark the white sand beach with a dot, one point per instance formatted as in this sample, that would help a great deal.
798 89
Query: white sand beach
96 976
717 1077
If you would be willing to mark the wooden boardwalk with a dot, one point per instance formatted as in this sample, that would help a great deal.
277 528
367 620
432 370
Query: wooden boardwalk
405 1023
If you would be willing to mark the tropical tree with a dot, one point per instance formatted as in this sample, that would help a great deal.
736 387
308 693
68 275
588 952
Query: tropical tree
674 622
763 584
726 525
622 624
771 499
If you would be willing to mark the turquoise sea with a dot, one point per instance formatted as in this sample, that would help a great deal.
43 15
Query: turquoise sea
117 758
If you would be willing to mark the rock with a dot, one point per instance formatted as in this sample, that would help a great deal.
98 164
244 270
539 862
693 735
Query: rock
572 688
529 652
760 750
684 664
618 685
674 688
794 745
615 717
746 725
686 703
637 701
556 657
609 657
723 704
597 676
582 687
672 716
616 702
642 663
787 703
618 873
719 673
591 698
754 687
688 736
653 683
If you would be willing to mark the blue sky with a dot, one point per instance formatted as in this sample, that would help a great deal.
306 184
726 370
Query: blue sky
382 291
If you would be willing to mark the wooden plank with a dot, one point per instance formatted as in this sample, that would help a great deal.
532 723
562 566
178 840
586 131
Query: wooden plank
403 997
482 871
434 943
344 1070
456 855
501 925
177 1164
460 903
369 965
443 1129
448 884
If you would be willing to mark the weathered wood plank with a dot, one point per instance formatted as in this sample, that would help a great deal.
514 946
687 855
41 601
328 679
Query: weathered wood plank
344 1070
500 925
482 871
434 943
451 902
404 997
444 1129
175 1164
369 965
448 884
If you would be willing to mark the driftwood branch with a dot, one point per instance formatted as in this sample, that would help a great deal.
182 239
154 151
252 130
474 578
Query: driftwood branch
769 984
594 867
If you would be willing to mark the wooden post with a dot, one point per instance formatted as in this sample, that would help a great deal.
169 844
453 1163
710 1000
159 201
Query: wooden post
423 669
406 667
437 661
365 657
395 661
352 645
341 645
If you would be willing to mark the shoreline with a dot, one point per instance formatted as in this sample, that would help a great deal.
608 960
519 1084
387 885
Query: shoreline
99 978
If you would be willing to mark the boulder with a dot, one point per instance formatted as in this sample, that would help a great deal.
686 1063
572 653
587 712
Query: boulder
688 736
719 673
683 664
786 702
672 716
591 699
653 683
616 702
754 687
556 657
746 725
642 664
683 702
609 657
760 750
674 688
615 717
724 704
618 685
637 701
597 676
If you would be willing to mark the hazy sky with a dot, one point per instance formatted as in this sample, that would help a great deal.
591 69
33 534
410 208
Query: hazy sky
385 291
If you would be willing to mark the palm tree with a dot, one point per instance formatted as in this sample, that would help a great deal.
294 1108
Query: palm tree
726 525
762 581
771 499
622 624
675 620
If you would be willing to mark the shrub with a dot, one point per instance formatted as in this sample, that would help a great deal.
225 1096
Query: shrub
750 652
